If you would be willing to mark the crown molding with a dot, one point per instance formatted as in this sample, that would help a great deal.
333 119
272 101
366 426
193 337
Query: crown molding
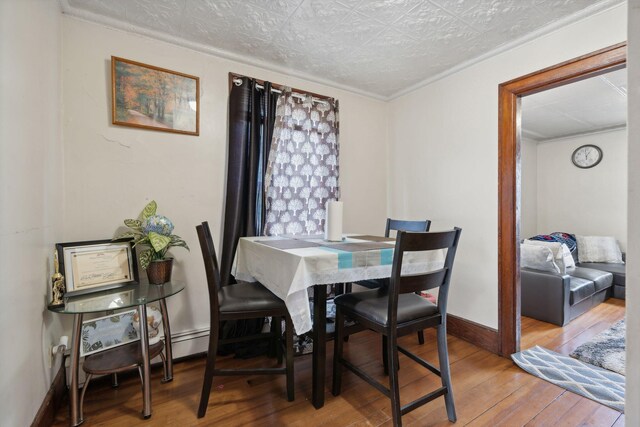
87 16
84 15
608 129
592 10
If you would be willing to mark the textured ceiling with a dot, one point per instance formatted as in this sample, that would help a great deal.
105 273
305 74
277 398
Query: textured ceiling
376 47
578 108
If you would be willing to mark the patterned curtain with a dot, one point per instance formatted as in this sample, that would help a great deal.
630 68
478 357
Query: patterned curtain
302 171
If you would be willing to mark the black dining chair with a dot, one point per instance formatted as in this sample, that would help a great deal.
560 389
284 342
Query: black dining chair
397 225
241 301
395 311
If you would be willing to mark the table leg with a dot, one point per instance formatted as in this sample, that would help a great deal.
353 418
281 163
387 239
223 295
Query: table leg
167 341
319 344
76 416
146 363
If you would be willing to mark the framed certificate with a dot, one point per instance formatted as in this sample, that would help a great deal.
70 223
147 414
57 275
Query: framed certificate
97 265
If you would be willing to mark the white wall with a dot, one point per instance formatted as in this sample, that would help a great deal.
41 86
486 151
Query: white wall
529 188
31 200
632 409
443 141
584 201
112 171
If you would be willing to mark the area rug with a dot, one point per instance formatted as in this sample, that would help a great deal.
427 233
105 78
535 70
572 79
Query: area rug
606 350
594 383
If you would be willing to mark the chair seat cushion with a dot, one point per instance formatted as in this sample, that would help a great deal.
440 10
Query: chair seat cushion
618 270
580 289
373 305
601 279
248 297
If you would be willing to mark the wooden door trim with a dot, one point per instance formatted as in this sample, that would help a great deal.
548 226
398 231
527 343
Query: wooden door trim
509 94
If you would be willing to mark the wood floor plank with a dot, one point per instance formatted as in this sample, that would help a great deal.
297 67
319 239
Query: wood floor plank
520 406
488 390
556 411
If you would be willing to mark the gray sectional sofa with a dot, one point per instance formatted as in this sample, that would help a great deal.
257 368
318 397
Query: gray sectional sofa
559 298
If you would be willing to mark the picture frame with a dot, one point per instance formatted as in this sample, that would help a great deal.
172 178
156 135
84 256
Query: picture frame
149 97
103 333
97 265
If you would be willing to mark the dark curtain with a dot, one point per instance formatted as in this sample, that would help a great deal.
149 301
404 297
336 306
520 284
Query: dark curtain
251 120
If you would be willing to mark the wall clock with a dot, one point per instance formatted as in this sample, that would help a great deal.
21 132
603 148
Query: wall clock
586 156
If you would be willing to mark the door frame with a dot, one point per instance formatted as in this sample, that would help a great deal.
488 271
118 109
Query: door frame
509 173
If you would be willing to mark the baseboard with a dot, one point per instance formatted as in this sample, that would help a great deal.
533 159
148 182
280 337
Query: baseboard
473 332
52 401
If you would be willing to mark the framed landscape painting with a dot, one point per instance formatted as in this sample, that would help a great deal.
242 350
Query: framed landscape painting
149 97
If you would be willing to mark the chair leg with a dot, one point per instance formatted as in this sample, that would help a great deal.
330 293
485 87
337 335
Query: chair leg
276 329
420 337
289 352
394 387
337 353
385 355
208 373
443 356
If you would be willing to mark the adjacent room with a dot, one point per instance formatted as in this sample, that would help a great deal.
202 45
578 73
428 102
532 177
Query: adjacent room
575 136
319 212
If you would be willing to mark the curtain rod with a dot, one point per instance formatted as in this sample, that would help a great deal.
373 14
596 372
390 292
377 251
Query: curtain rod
238 81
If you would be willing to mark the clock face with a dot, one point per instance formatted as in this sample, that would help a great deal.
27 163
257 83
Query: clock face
586 156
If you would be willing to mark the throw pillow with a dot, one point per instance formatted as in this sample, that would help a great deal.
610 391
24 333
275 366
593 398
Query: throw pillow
537 258
599 249
558 250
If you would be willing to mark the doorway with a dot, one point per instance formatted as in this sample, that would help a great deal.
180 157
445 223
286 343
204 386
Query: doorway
509 174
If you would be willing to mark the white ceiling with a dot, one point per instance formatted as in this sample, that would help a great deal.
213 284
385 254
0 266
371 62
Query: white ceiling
381 48
587 106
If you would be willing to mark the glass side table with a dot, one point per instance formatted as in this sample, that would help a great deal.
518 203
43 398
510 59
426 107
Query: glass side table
135 295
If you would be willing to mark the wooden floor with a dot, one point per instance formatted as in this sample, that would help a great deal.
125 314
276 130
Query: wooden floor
489 390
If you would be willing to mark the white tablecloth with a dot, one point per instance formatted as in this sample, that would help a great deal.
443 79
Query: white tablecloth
288 273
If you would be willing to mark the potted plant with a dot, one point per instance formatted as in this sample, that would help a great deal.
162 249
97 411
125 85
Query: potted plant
154 232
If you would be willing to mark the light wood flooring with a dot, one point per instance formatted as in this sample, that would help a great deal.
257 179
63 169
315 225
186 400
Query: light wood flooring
489 390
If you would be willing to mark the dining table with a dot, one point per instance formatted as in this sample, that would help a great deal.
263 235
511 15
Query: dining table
291 265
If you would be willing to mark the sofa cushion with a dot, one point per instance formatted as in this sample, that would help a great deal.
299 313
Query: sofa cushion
618 270
601 279
561 253
538 258
580 289
599 249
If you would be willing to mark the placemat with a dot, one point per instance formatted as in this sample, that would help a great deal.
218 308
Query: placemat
358 246
288 244
373 238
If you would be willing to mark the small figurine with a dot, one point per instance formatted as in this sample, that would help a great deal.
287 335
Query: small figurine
57 283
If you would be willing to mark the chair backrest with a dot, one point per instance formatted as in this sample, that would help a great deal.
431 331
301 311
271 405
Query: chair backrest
401 225
210 264
416 242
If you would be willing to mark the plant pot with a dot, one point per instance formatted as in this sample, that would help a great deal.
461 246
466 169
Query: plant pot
159 271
